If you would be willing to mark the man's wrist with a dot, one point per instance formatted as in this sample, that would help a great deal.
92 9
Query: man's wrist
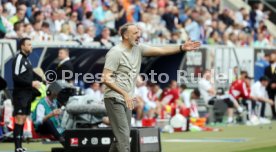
181 47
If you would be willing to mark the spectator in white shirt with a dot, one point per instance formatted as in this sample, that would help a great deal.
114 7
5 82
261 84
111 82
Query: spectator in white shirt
210 96
80 35
37 33
88 21
65 33
143 92
94 90
73 21
8 26
258 90
189 100
47 35
18 31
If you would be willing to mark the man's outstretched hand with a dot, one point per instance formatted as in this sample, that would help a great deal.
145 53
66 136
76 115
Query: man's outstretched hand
190 45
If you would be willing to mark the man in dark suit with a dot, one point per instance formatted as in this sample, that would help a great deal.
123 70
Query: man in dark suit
270 72
65 69
3 84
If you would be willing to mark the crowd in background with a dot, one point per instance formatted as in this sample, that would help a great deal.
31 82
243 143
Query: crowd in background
162 21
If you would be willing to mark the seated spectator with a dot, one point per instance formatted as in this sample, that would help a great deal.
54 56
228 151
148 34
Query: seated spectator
73 21
214 38
260 15
18 31
261 41
56 25
38 16
10 7
174 38
153 96
169 18
5 25
20 16
185 96
170 97
47 35
259 91
188 101
240 90
139 105
47 117
232 40
89 34
171 94
239 15
94 90
143 91
104 38
65 33
37 34
28 30
209 94
80 35
88 21
226 17
193 29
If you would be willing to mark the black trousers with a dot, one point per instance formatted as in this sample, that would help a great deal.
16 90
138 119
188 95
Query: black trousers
262 114
48 128
271 95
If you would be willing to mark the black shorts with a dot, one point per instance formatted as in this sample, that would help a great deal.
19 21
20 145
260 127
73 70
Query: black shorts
22 105
227 101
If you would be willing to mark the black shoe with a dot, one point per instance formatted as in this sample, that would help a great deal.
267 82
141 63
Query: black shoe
24 149
62 141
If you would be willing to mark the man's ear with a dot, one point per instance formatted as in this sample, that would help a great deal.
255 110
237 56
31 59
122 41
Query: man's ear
125 35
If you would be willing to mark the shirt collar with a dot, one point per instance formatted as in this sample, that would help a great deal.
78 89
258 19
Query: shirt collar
23 54
64 60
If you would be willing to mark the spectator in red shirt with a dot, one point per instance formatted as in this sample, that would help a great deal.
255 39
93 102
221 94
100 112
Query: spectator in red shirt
171 94
240 90
241 87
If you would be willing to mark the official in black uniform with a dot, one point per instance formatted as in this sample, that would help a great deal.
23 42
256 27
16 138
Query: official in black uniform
24 84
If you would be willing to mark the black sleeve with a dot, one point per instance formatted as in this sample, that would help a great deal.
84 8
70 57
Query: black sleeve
267 72
20 81
69 67
37 77
3 83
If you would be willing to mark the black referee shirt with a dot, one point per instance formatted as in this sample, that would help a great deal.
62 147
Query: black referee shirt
22 75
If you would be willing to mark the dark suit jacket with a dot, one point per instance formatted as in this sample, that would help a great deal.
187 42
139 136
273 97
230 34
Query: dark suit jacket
67 65
272 77
3 84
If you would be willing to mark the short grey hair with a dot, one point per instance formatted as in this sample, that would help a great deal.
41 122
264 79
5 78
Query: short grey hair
124 28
